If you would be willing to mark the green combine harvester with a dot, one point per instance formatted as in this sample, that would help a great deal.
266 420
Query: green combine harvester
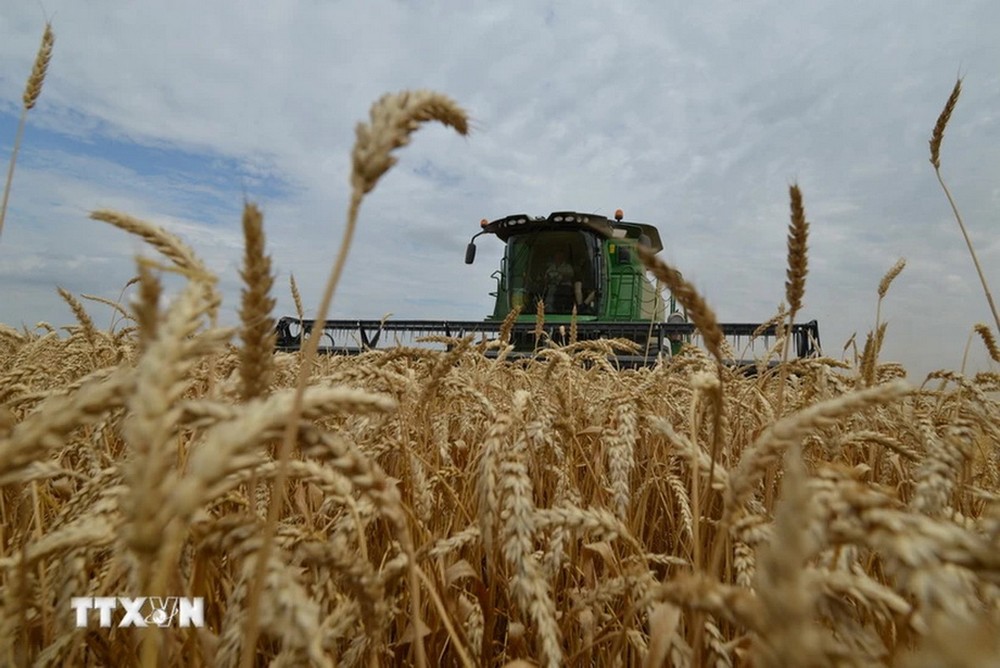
578 266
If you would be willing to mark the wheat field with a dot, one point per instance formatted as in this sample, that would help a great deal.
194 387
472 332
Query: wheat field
424 507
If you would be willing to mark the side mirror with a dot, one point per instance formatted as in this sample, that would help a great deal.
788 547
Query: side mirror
470 253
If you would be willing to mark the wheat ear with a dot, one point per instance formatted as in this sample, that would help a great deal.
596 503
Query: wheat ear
166 243
161 376
146 307
870 353
257 354
31 93
393 119
697 308
883 286
507 326
89 331
936 136
767 449
991 343
528 587
798 233
539 322
942 122
296 297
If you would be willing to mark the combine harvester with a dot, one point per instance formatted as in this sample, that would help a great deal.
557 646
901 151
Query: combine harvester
566 260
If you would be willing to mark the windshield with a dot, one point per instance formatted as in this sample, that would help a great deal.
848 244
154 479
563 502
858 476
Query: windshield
555 267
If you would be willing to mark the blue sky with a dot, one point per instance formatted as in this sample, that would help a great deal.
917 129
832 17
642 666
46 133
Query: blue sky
693 118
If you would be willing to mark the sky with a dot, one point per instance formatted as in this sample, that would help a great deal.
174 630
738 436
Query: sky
694 117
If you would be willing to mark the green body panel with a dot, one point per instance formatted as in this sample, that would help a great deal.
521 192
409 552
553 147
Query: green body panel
608 276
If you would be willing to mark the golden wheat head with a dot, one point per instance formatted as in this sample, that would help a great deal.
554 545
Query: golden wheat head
890 276
798 232
257 353
942 122
697 308
991 343
393 118
37 78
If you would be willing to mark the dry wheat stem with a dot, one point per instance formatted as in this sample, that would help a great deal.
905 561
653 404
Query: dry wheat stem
883 288
935 143
10 167
114 306
972 250
795 285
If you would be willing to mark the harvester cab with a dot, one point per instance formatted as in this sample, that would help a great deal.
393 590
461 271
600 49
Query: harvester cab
580 261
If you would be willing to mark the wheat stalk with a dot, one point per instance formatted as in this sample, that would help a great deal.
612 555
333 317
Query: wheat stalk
935 143
704 319
787 602
393 119
620 447
529 588
883 287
